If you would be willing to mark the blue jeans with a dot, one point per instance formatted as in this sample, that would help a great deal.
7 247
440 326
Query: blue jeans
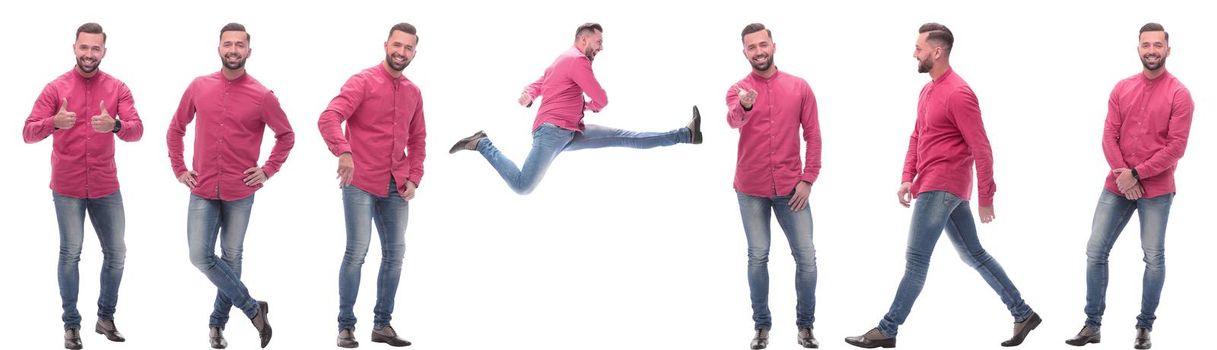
206 221
1110 217
549 140
934 211
390 215
798 227
109 221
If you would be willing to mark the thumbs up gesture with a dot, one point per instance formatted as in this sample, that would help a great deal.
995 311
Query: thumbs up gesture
102 122
63 118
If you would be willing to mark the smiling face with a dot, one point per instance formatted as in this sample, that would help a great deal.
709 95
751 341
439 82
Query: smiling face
399 50
926 53
591 44
1153 50
89 49
759 49
234 49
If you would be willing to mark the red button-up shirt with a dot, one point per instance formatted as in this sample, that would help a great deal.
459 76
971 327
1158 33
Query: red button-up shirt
768 164
1147 127
385 131
948 137
82 159
232 117
563 85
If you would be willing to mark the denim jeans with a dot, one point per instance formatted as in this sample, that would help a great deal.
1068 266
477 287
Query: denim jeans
934 211
207 221
797 225
1110 217
549 140
390 215
109 222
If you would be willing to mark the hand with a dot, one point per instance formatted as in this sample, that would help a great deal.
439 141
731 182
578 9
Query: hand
408 194
802 191
254 176
747 98
103 122
905 194
1124 179
986 214
1135 193
64 119
525 100
346 170
188 178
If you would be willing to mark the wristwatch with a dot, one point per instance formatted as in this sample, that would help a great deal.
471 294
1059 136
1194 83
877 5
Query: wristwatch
118 125
1135 175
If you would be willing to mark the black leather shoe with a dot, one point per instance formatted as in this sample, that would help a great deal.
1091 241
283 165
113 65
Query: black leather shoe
261 323
807 339
1021 329
106 327
469 143
872 339
761 340
71 339
1142 341
216 337
346 339
388 336
1087 335
695 127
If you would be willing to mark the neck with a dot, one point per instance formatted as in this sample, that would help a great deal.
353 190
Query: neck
1154 74
768 73
939 70
86 75
393 73
232 74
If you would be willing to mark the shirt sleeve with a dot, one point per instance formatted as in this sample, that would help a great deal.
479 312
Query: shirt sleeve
810 120
965 111
285 138
1111 132
339 109
177 130
581 73
41 122
133 128
416 147
1178 127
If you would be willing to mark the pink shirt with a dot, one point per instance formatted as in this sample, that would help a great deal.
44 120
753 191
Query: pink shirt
232 115
563 85
82 159
1147 127
768 163
948 137
385 132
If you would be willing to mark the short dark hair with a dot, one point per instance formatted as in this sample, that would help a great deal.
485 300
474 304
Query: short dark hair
234 27
753 28
588 28
91 28
1154 27
938 33
404 28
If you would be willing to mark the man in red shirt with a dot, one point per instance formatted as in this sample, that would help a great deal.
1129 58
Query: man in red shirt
84 177
1149 116
233 110
380 165
769 107
559 123
947 138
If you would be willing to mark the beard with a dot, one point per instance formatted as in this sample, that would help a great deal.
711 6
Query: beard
233 65
1153 67
763 66
394 66
924 66
591 54
80 63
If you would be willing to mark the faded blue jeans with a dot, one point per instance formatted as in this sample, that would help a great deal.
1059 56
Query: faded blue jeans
109 222
1110 217
390 215
933 212
549 140
207 221
755 212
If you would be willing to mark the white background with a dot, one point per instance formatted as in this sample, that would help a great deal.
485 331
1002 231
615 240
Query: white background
617 247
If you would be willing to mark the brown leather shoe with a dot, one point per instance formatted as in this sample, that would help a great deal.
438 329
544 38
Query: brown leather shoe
695 127
1021 329
106 327
71 339
216 338
261 323
1142 341
346 339
761 340
1088 334
872 339
388 336
807 339
469 143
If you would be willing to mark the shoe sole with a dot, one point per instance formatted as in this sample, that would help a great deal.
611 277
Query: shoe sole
460 144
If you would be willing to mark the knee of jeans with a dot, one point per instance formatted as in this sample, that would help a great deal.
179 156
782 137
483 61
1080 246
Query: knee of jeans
523 187
69 254
758 256
231 255
976 258
1155 259
115 257
354 255
202 259
1096 254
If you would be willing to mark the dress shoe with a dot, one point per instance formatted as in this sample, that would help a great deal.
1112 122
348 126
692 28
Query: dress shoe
346 339
217 338
1021 329
761 340
71 339
1088 334
807 339
695 127
469 143
388 336
872 339
261 323
106 327
1142 341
